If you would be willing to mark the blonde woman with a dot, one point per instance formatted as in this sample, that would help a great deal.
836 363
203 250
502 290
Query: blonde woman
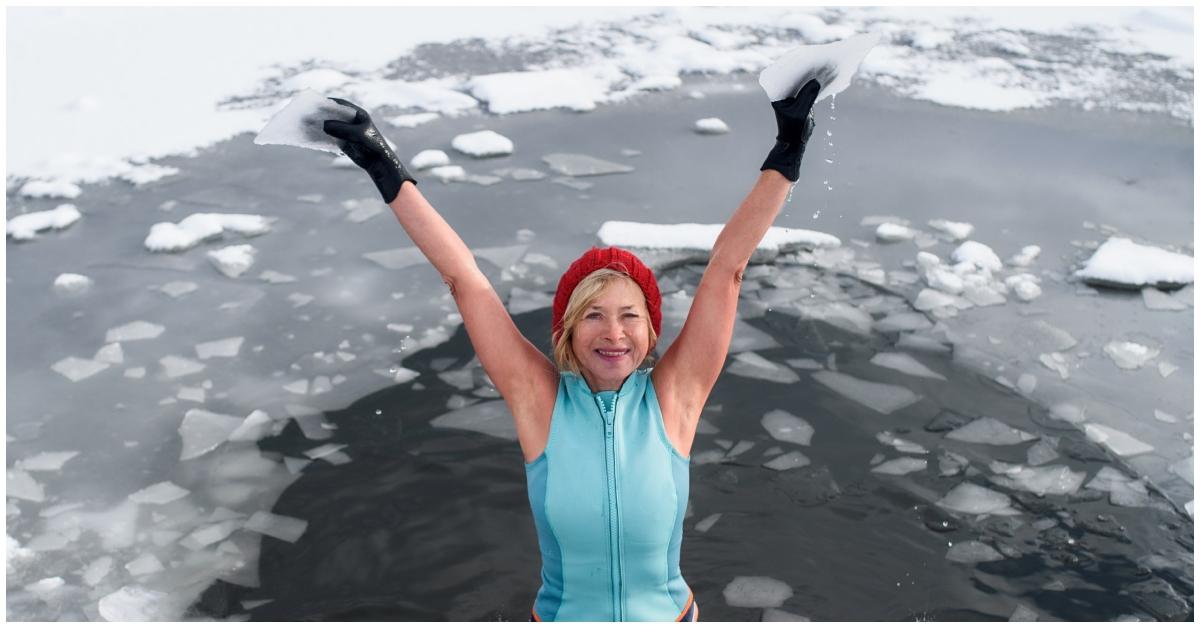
605 438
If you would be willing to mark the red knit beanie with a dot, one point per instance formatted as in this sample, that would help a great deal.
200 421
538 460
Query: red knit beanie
617 259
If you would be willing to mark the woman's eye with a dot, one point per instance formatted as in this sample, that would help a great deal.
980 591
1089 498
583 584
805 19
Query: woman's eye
631 315
594 315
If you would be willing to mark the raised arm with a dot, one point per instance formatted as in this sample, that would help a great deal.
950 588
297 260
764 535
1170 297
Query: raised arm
524 376
689 368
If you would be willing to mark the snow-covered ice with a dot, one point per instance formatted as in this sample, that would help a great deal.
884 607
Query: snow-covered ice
888 232
72 283
979 254
711 126
512 92
488 417
956 230
50 189
486 143
410 120
300 123
233 260
167 237
429 158
701 237
26 226
1120 262
882 398
1130 355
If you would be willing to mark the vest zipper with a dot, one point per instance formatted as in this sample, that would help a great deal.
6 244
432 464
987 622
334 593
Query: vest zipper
614 534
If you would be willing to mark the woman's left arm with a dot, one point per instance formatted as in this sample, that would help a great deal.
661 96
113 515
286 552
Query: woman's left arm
688 370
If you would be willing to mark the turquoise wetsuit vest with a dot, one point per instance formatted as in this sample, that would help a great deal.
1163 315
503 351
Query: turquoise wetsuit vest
608 496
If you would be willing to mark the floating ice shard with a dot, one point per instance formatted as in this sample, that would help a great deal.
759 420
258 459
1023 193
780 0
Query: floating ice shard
973 499
202 431
1068 412
902 321
1056 362
395 259
1184 468
901 445
281 527
233 260
900 466
751 365
176 366
521 301
1121 263
1129 355
889 232
711 126
950 463
882 398
137 330
78 369
501 256
489 417
429 158
158 494
741 448
26 226
21 485
972 552
979 254
145 564
787 427
989 431
1026 256
271 276
905 364
774 614
408 121
929 299
807 364
96 570
1122 491
480 144
110 353
300 123
71 283
706 524
756 592
956 230
299 387
1056 480
47 460
790 460
1117 441
1154 300
1026 383
1042 451
576 165
176 289
136 372
223 348
1166 368
210 533
840 315
134 603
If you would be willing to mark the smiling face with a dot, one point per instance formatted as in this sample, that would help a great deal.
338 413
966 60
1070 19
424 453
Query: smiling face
612 336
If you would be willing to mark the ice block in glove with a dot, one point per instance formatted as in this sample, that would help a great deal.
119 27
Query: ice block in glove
301 123
832 65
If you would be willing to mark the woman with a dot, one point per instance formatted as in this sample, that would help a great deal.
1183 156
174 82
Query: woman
606 444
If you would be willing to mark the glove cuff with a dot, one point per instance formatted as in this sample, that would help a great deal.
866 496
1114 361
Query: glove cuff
785 159
389 180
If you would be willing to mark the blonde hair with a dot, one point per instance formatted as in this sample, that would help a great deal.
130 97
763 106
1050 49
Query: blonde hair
585 292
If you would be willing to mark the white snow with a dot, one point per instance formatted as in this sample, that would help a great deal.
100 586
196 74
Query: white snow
956 230
202 431
989 431
756 592
1122 262
784 426
71 283
834 64
233 260
158 494
972 499
430 95
882 398
486 143
26 226
889 232
429 158
701 237
979 254
1026 256
711 126
905 364
223 348
446 174
282 527
300 123
50 189
576 89
167 237
78 369
411 120
1129 355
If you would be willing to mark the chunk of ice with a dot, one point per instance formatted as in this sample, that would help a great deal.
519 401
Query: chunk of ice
521 301
1042 451
1129 355
790 460
956 230
901 445
979 254
751 365
133 603
905 364
1056 362
223 348
972 552
202 431
110 353
900 466
706 524
411 120
176 289
71 283
1056 480
989 431
47 461
950 464
78 369
167 237
902 321
973 499
210 533
298 387
1166 368
756 592
300 123
576 89
576 165
26 226
271 276
96 570
1184 468
175 366
889 232
142 565
135 330
21 485
882 398
480 144
396 259
233 260
158 494
489 417
711 126
832 64
1117 441
1068 412
258 425
429 158
1119 262
784 426
56 188
281 527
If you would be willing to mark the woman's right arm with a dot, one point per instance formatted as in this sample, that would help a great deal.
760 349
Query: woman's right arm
525 377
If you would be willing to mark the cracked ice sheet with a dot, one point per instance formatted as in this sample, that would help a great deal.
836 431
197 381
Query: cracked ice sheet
882 398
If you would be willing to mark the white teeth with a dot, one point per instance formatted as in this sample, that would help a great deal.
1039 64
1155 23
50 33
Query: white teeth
611 354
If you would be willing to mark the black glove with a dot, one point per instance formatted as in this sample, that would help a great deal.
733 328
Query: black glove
365 146
794 117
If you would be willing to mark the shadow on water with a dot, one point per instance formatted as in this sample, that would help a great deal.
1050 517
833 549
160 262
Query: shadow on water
426 523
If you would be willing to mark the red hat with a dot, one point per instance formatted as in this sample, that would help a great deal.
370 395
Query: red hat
617 259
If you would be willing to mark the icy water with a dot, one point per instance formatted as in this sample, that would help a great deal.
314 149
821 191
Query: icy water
403 517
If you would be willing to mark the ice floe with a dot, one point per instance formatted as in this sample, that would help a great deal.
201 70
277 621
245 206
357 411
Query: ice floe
1158 300
176 289
410 120
134 603
1056 480
136 330
233 260
699 237
78 369
169 237
203 431
972 552
21 485
989 431
446 174
905 364
1121 263
176 366
956 230
46 461
281 527
756 592
488 417
1129 355
158 494
512 92
979 254
72 283
26 226
396 259
711 126
784 426
1122 490
789 460
576 165
972 499
1115 440
882 398
56 188
751 365
110 353
903 446
900 466
486 143
429 158
223 348
889 232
